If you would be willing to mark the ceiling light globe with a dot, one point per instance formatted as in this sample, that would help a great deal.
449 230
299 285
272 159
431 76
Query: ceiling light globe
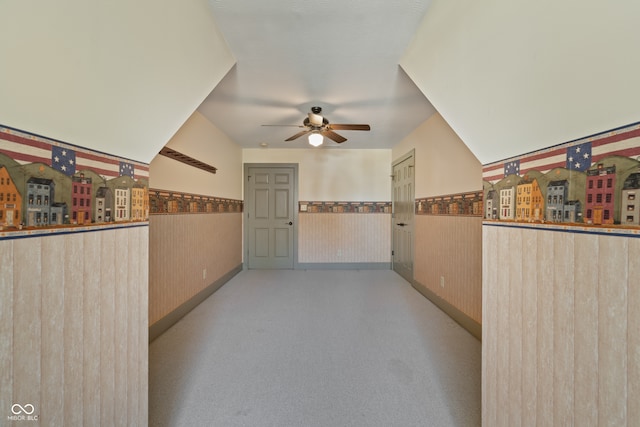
315 139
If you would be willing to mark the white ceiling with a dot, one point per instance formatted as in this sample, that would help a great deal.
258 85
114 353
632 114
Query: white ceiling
340 55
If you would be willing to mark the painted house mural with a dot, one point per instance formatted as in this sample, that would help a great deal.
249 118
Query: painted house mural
592 181
631 200
123 202
507 203
46 183
556 197
491 204
103 205
40 194
528 201
600 195
139 202
81 200
10 200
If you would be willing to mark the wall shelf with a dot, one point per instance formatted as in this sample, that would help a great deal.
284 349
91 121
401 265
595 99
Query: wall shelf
175 155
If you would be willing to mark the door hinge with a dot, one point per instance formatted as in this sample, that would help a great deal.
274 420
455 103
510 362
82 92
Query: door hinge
392 253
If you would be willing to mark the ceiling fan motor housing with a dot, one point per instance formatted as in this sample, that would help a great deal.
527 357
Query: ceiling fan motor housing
314 121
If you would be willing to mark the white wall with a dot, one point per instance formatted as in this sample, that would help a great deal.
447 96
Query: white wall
443 163
334 174
200 139
512 77
119 76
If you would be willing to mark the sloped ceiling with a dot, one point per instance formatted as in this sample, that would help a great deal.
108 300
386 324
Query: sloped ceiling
509 77
340 55
120 77
513 77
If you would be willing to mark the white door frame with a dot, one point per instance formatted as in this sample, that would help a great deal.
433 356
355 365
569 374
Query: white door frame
245 213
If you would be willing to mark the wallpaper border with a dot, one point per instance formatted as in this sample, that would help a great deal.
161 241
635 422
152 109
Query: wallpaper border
344 207
589 183
169 202
48 187
460 204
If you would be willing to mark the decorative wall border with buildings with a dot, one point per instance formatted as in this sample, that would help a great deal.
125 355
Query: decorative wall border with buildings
167 202
49 186
461 204
344 207
588 183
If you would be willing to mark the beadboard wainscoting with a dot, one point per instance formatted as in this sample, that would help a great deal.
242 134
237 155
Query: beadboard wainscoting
448 262
73 322
190 254
560 328
344 238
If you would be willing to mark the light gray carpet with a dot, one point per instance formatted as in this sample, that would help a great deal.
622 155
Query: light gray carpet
315 348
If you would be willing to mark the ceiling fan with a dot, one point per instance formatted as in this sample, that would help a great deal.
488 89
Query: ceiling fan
317 127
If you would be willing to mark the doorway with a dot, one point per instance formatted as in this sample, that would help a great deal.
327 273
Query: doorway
403 175
271 215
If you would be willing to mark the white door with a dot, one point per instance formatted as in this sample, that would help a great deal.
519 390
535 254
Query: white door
403 213
271 216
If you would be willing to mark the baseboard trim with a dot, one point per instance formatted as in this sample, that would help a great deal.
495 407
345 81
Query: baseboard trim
162 325
473 327
344 266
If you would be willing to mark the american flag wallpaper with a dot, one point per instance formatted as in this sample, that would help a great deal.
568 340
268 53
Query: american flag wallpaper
591 181
63 160
26 148
50 184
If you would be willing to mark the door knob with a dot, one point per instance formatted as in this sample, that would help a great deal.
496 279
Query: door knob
290 223
401 224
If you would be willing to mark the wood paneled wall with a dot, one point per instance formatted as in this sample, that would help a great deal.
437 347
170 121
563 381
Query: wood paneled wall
561 328
73 327
181 247
344 238
450 247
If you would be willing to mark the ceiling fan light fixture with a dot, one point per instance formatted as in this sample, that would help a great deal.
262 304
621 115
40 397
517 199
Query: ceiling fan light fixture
315 139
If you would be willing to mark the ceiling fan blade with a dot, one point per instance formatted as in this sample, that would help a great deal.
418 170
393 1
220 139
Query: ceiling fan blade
333 136
289 126
298 135
349 127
